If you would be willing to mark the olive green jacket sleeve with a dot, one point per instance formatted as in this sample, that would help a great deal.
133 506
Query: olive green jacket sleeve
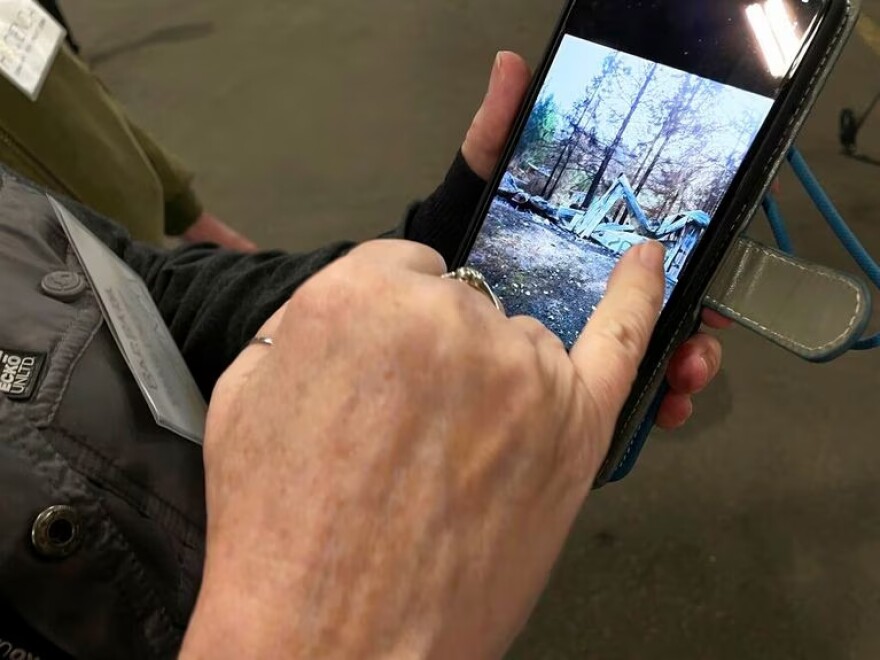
182 207
77 140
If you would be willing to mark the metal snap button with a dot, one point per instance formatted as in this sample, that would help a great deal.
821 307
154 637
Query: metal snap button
56 532
63 285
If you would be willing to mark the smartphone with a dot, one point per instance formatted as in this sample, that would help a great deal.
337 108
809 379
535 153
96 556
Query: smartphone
662 120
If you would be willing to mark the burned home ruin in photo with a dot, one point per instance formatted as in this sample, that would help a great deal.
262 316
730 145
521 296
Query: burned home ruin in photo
638 152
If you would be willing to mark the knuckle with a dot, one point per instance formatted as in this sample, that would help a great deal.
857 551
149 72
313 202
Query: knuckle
334 290
654 296
550 344
519 375
516 370
531 327
647 302
384 251
714 356
426 323
470 302
425 337
610 388
314 293
628 335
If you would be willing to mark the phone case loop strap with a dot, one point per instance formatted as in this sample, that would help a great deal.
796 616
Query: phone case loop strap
813 311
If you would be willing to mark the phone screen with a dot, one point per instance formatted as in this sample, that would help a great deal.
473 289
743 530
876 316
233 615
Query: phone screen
625 145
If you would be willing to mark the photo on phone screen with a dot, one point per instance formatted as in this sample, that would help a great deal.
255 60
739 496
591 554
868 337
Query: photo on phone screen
618 150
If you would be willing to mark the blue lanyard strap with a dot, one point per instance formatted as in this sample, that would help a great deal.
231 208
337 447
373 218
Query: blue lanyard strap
838 225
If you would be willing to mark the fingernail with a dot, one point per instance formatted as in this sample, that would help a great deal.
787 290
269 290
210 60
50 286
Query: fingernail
497 71
652 255
707 369
499 60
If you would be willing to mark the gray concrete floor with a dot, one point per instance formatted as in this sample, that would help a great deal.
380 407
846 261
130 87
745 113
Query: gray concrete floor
753 534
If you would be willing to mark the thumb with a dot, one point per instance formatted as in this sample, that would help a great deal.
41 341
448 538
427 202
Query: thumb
491 127
613 345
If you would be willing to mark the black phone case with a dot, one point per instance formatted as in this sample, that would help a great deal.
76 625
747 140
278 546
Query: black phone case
680 323
800 98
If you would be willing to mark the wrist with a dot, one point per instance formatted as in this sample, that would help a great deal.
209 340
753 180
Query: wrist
242 615
225 625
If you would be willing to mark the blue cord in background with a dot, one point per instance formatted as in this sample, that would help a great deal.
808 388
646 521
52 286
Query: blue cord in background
777 224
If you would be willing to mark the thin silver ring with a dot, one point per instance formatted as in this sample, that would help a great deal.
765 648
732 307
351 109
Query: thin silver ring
262 341
475 279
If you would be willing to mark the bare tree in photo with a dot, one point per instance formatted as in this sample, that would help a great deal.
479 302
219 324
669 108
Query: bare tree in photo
610 151
572 144
664 142
679 111
691 123
537 140
642 152
578 121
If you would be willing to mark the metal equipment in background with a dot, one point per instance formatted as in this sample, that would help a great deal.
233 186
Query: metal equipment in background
851 123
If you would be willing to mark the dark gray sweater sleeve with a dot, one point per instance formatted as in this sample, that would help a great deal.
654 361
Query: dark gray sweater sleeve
442 220
215 300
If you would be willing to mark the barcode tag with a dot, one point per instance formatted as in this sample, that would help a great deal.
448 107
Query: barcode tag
29 41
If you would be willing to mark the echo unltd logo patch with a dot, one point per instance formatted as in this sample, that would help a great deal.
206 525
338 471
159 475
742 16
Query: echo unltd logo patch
19 373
